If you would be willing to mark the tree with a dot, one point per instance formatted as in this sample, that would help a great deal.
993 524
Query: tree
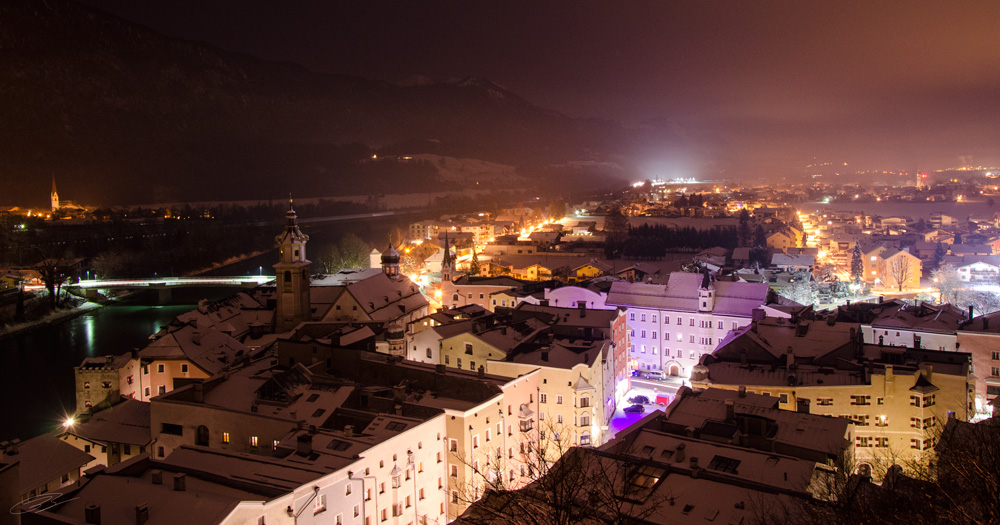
557 209
744 228
857 264
800 289
939 253
349 252
949 285
53 275
899 271
616 232
474 266
568 485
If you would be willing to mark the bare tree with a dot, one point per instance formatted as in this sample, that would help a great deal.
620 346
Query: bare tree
560 484
899 271
947 282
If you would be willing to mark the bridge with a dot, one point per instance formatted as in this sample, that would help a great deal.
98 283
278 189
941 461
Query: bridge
163 285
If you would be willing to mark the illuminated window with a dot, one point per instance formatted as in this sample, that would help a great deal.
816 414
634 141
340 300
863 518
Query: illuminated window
225 437
253 441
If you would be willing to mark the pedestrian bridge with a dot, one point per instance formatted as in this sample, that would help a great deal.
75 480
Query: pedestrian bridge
163 285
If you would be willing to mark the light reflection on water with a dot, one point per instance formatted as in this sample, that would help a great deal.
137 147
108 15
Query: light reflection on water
36 381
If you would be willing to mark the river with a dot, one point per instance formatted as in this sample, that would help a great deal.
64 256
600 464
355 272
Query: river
36 378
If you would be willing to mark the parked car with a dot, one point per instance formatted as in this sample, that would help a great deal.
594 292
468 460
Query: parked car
639 400
634 408
654 374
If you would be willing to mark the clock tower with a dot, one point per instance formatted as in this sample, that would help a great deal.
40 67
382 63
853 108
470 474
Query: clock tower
291 276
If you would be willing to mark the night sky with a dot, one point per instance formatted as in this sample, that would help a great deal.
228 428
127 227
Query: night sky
903 84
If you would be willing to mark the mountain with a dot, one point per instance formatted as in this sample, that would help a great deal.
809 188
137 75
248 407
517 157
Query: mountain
122 114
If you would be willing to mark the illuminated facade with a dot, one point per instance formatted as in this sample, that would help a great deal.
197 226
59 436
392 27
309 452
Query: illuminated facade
292 276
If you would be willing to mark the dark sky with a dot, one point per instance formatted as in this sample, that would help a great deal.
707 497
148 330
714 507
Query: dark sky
876 83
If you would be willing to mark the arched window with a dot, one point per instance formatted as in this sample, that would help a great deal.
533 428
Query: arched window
201 436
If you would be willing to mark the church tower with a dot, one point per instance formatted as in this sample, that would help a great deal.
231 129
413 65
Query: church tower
706 294
291 276
54 196
447 263
390 262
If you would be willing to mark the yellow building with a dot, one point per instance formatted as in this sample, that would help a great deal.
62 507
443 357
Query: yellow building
898 398
899 270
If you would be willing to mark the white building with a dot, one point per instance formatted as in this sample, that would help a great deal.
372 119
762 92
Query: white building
671 326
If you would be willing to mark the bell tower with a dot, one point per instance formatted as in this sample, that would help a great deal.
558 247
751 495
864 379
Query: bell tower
706 293
447 263
54 197
390 262
291 276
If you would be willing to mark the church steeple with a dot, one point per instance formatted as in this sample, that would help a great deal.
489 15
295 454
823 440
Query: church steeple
291 275
447 263
54 197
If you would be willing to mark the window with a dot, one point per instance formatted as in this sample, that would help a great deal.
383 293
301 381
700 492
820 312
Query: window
915 401
159 368
995 371
447 359
543 398
915 444
654 318
666 319
559 399
475 441
642 317
631 317
643 333
680 321
453 445
525 425
881 442
996 356
184 368
692 338
162 389
782 398
585 439
468 348
458 362
692 321
319 504
881 421
428 353
559 418
584 421
724 464
253 441
861 400
720 325
584 402
824 401
654 334
454 471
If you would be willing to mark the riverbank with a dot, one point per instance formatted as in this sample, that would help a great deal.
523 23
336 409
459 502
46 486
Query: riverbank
227 262
52 318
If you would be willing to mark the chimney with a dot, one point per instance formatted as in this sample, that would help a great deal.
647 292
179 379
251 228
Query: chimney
970 312
482 372
986 322
199 392
679 452
348 430
545 356
196 337
694 467
928 371
180 482
304 444
141 513
439 368
802 405
157 476
753 326
730 410
743 391
92 514
789 358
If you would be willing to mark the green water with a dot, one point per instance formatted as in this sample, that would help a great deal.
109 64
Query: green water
36 379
